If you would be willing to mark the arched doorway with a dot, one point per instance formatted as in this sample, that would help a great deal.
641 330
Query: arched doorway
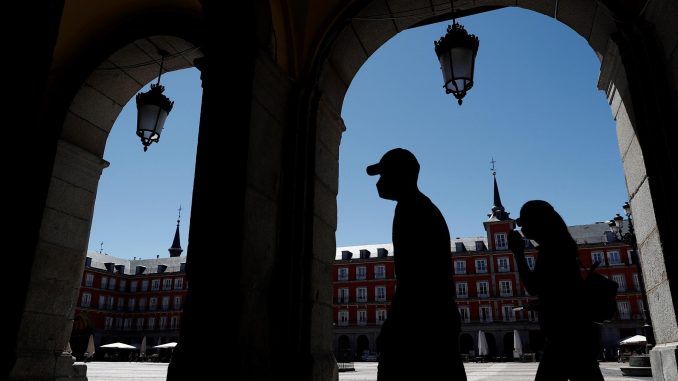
491 344
344 349
362 347
465 343
508 346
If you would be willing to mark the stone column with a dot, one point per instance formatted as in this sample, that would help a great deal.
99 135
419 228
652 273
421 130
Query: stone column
57 270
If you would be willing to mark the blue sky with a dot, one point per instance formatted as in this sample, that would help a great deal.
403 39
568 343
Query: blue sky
534 107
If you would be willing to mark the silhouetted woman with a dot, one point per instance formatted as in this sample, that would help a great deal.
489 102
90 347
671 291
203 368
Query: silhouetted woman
572 339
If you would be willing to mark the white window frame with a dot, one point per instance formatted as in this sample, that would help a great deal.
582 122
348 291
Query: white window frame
614 258
111 284
481 269
102 302
155 284
165 303
343 296
481 294
636 282
342 273
624 309
381 316
162 323
488 318
508 313
150 325
500 242
104 282
465 314
153 303
503 269
342 318
140 324
174 322
621 282
361 316
177 302
144 285
361 272
460 267
167 284
595 255
379 272
462 289
530 262
380 293
108 323
361 294
86 299
89 279
503 290
178 283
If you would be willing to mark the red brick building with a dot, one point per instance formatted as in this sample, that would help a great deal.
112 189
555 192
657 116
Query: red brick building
125 300
489 293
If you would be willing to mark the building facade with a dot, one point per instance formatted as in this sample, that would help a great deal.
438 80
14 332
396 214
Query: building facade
489 294
123 300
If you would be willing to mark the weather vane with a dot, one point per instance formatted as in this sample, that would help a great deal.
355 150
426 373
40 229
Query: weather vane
101 247
494 172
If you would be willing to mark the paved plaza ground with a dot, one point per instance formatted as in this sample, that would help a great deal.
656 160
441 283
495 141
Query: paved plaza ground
125 371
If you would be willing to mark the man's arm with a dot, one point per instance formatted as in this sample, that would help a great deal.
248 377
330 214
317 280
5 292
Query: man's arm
517 246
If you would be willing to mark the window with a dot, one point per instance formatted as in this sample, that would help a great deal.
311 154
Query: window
104 282
530 262
362 317
462 290
481 266
89 279
102 302
613 258
167 284
483 289
343 273
121 304
641 308
381 316
505 288
343 295
155 285
597 256
624 309
509 314
123 285
177 302
621 282
140 324
151 323
128 324
485 313
174 322
108 323
130 304
460 267
361 294
500 241
636 282
380 292
532 315
343 317
142 304
178 283
165 303
133 286
629 255
361 273
162 323
109 303
465 314
144 285
379 272
111 284
118 323
86 299
503 264
480 246
153 304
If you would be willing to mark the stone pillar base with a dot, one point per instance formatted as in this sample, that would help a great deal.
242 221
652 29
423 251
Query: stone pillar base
325 366
664 364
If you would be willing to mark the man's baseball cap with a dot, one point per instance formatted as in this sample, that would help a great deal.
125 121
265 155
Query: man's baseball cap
398 159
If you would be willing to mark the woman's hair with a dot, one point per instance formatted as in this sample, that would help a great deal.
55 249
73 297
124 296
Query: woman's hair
551 225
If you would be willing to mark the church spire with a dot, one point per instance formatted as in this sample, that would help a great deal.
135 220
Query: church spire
176 249
498 211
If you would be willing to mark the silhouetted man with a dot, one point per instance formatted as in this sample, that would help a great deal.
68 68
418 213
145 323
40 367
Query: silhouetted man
419 339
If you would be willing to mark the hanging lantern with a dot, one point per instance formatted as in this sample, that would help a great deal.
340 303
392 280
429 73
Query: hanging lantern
152 110
456 52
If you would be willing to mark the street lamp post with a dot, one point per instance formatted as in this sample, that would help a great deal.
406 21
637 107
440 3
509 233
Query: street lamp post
616 226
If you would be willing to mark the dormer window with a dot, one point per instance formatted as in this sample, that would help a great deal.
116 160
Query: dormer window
500 242
346 255
364 254
459 247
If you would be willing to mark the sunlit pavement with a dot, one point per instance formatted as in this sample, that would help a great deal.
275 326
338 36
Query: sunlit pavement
364 371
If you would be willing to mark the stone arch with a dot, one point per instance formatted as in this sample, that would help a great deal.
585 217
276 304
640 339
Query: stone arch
508 345
362 344
617 35
465 343
78 163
